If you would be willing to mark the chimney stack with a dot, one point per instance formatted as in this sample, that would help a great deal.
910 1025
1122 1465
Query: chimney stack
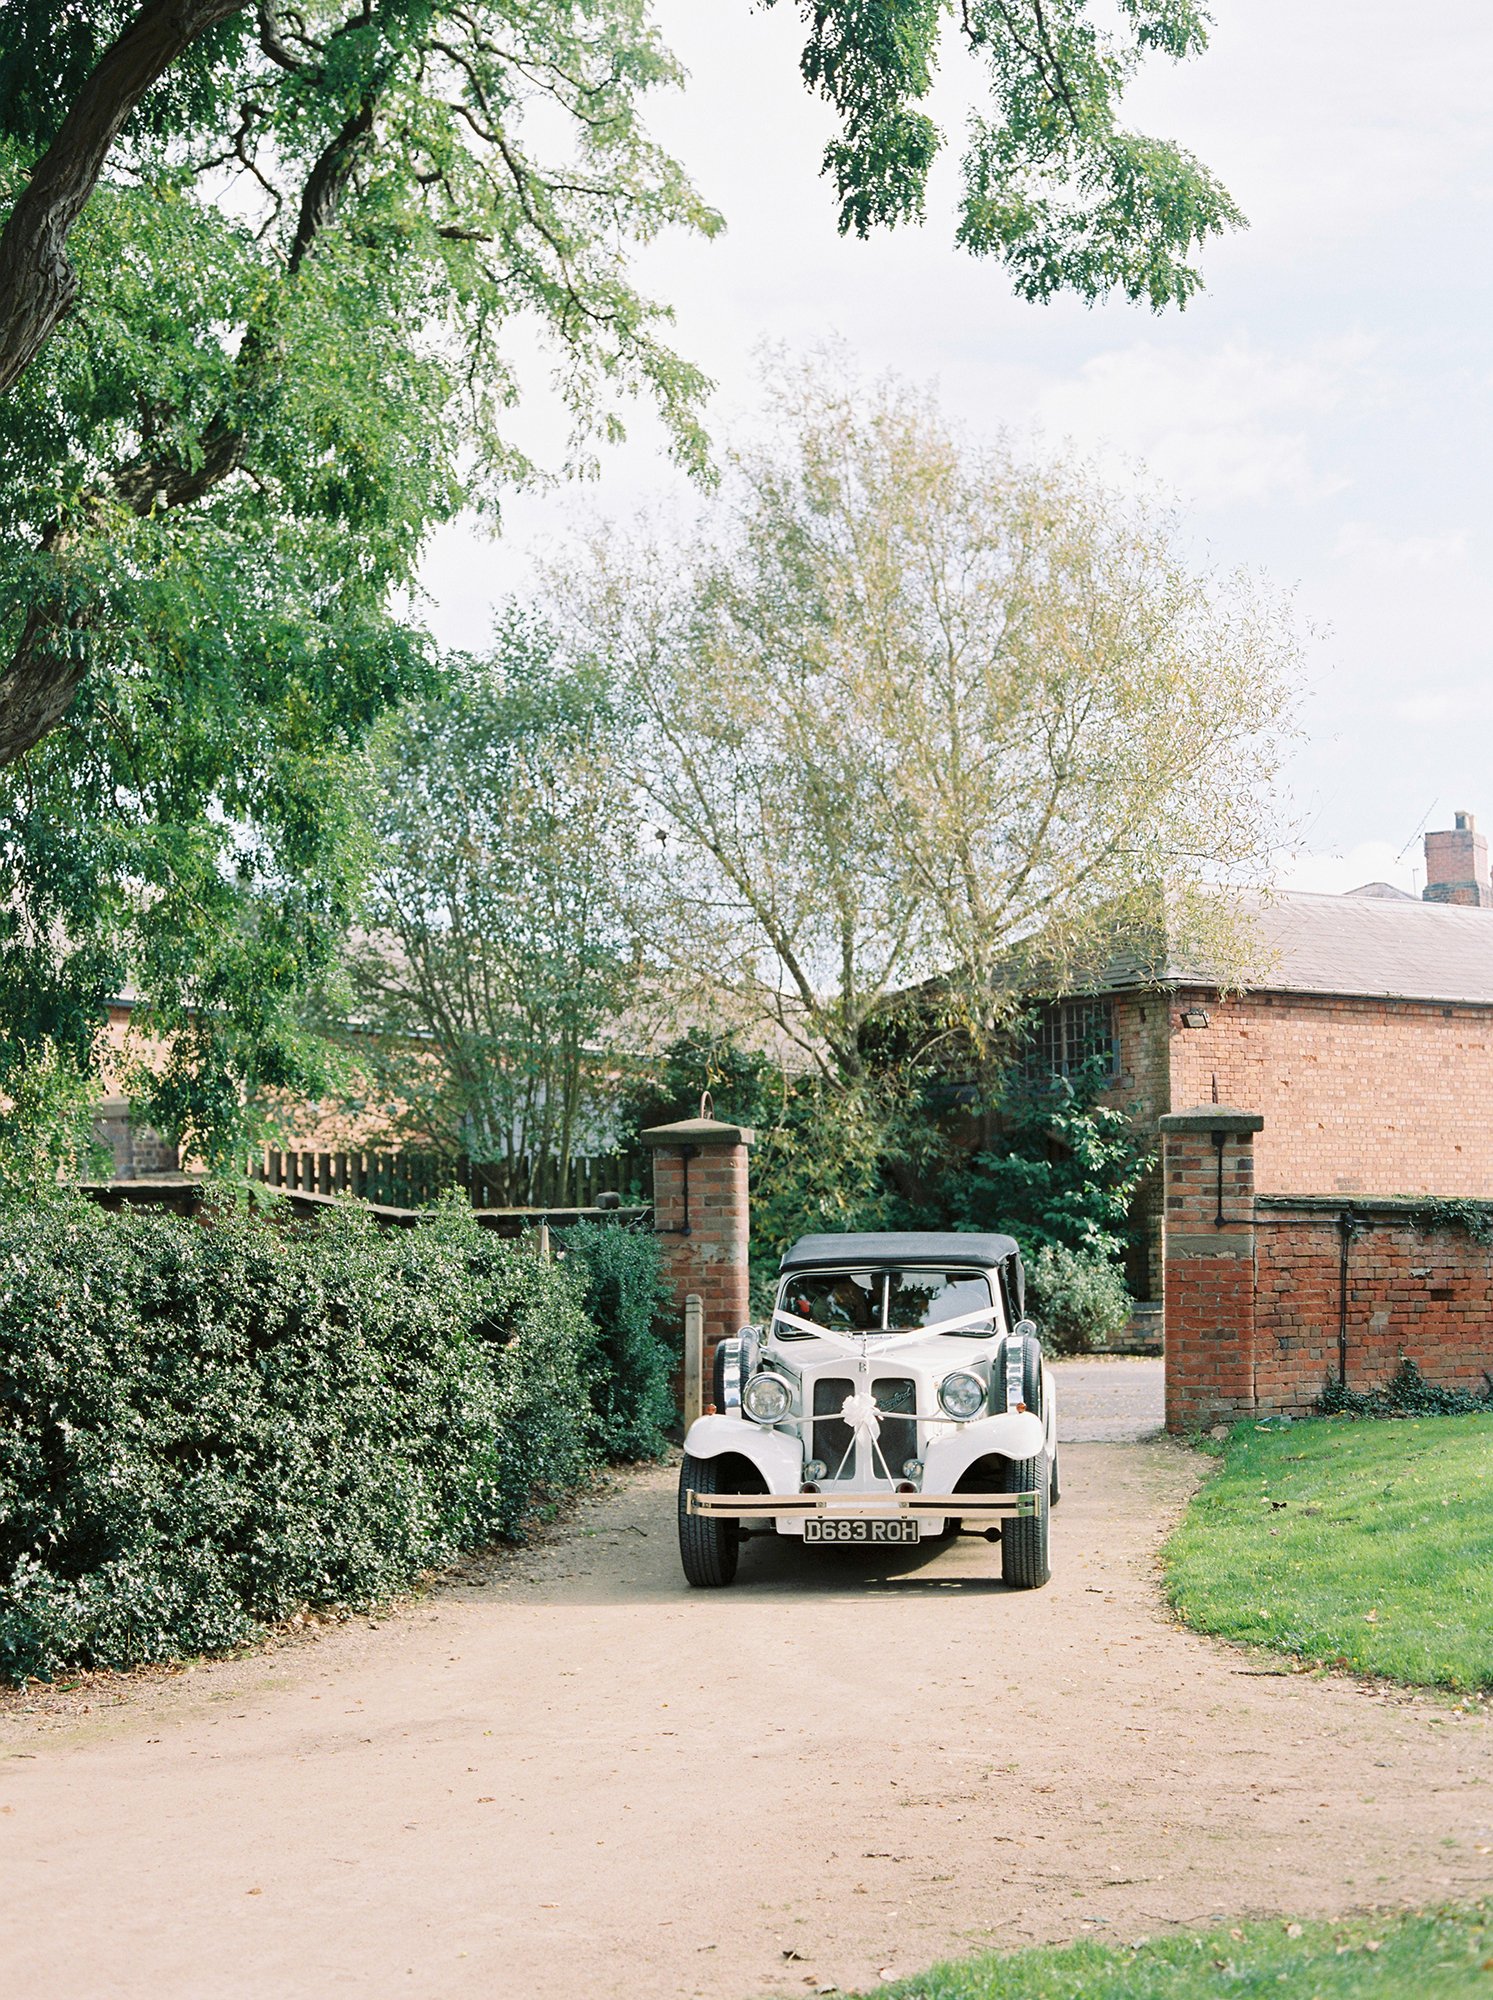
1457 866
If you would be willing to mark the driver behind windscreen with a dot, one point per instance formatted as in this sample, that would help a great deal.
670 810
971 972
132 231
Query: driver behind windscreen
841 1302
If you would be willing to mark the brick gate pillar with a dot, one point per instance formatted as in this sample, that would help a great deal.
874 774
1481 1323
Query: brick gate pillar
1208 1244
702 1220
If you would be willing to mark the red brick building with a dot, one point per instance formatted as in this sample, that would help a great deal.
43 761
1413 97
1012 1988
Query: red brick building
1353 1075
1365 1042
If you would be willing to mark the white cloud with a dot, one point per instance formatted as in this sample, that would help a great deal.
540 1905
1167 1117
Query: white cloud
1221 425
1359 541
1449 708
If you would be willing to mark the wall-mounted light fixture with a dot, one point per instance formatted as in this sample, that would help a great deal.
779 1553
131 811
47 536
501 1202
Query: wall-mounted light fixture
1194 1017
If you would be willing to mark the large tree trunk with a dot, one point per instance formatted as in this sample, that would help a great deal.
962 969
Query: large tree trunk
38 685
37 282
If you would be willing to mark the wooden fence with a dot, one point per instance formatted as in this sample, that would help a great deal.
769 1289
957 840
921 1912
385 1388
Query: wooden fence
410 1180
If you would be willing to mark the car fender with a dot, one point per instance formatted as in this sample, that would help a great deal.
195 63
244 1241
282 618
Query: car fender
1013 1434
779 1458
1050 1410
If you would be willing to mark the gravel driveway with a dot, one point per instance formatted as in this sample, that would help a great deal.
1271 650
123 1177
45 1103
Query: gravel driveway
1110 1399
570 1779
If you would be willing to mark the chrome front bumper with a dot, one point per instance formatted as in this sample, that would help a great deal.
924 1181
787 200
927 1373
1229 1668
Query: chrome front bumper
863 1506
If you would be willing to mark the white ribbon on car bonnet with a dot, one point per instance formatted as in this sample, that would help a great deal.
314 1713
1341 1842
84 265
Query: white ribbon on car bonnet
885 1344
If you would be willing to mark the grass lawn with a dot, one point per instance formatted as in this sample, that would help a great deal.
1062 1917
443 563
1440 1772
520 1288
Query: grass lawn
1443 1955
1366 1544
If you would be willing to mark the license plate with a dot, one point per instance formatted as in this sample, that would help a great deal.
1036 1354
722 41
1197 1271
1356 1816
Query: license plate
818 1529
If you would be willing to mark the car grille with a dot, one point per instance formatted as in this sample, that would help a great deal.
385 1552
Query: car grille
832 1435
896 1398
899 1432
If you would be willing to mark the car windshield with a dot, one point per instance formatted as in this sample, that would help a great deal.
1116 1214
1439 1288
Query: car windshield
887 1301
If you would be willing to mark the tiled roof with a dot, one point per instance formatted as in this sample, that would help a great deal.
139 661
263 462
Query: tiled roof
1381 947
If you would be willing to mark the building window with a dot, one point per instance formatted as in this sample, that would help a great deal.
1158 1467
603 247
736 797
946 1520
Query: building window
1070 1035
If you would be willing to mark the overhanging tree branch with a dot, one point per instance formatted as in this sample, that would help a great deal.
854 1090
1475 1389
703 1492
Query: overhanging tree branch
37 280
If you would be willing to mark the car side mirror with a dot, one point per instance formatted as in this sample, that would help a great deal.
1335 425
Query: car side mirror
1027 1328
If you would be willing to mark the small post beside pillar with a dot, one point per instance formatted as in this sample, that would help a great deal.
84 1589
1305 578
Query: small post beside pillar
693 1398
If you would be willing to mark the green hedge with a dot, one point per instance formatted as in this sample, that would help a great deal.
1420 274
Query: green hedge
1078 1298
630 1369
203 1428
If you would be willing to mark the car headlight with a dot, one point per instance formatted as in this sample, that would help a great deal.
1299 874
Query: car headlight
962 1394
766 1399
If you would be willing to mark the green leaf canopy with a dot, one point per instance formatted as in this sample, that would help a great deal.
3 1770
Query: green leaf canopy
291 360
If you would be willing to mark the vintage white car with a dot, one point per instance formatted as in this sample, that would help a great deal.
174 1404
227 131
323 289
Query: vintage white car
898 1393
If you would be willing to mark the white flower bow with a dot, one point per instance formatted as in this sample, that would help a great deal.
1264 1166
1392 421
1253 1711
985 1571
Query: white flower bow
862 1413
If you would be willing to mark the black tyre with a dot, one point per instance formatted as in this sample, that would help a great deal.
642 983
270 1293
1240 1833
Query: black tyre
708 1545
1056 1491
1024 1538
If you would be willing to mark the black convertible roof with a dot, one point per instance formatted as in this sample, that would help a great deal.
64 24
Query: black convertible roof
900 1248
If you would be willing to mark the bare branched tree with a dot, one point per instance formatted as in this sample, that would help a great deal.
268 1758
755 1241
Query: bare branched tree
931 726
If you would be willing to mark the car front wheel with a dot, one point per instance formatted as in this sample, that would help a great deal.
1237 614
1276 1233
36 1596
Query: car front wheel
708 1544
1024 1537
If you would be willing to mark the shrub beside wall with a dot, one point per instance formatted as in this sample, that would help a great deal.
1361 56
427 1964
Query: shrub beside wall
203 1428
1078 1299
629 1370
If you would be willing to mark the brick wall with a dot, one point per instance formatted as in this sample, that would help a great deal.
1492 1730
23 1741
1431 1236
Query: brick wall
136 1147
1142 1088
1410 1291
1261 1311
1381 1097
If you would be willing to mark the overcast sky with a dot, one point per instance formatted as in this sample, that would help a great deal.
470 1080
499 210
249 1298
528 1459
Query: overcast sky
1322 412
